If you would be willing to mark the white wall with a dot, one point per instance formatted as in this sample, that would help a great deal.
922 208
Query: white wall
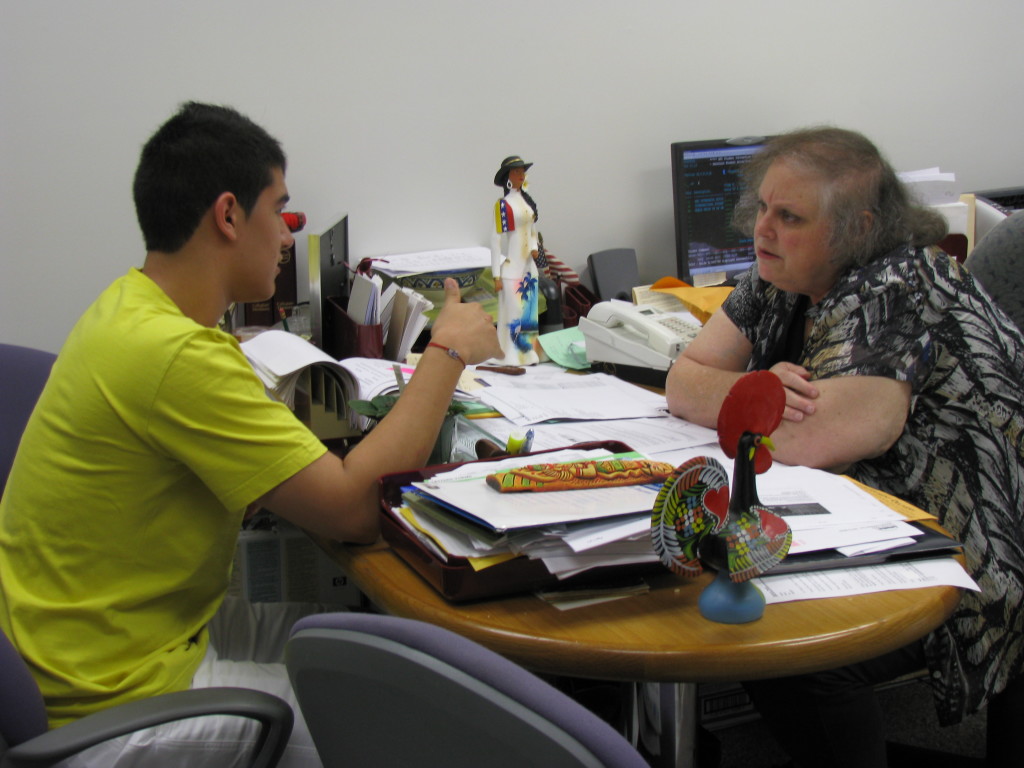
398 113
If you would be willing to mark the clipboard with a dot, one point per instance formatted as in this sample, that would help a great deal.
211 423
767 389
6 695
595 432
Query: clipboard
455 579
929 543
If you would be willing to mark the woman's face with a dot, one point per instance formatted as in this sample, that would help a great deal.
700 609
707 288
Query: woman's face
792 233
516 177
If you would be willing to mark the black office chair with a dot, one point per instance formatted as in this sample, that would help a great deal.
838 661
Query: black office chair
997 262
385 691
23 372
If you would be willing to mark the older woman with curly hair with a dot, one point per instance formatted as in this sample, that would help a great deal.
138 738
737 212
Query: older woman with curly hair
900 371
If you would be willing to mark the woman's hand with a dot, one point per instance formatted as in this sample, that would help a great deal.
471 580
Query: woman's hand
800 392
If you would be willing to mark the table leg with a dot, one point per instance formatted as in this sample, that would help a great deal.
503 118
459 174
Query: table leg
678 706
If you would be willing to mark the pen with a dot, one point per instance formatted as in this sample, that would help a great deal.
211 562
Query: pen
508 370
284 318
528 444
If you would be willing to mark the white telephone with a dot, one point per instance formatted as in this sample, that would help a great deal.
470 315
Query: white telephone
628 334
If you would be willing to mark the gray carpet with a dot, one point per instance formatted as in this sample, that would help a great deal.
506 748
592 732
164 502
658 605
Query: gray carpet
910 718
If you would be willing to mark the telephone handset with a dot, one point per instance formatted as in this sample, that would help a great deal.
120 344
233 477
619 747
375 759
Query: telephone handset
623 332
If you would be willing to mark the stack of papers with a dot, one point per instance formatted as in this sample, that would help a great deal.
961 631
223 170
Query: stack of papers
456 514
406 320
449 260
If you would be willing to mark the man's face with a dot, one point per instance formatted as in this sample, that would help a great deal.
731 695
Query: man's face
263 237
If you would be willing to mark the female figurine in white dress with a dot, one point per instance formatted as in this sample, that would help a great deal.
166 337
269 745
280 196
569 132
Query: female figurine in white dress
513 250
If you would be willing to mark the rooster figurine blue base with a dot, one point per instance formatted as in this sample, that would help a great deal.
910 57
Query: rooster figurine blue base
730 602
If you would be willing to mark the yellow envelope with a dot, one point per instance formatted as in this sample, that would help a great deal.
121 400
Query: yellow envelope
702 302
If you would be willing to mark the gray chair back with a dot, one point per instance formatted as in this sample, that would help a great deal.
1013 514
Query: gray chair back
386 691
997 262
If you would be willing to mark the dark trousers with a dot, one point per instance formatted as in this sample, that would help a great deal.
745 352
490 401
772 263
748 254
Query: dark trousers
833 719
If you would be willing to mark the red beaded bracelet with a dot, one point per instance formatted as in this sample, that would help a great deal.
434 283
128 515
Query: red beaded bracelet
453 354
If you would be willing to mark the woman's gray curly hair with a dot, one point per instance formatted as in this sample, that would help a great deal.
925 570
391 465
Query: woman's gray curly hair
856 178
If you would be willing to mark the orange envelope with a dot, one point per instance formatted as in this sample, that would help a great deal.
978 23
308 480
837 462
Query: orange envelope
702 302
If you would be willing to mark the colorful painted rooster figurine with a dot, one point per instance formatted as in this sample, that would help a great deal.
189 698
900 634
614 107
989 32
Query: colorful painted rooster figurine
696 522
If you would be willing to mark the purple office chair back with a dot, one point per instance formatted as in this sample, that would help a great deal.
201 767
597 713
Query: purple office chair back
384 691
23 372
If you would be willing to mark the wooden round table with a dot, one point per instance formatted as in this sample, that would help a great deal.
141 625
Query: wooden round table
659 636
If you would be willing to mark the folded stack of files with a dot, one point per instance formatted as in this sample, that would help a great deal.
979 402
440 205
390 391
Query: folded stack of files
457 517
467 555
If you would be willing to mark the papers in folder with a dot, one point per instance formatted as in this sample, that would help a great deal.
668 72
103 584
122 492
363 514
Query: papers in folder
456 514
400 311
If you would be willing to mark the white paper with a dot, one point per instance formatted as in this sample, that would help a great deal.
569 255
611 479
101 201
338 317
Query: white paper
840 582
596 397
448 260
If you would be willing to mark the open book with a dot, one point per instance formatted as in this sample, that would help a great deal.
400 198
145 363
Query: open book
280 358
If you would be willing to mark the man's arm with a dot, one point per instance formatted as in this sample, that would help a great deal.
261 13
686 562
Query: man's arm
337 497
828 423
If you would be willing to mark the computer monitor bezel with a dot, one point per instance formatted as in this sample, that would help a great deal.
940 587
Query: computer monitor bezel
679 209
328 276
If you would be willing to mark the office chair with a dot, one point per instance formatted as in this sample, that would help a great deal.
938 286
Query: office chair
25 740
23 372
997 262
385 691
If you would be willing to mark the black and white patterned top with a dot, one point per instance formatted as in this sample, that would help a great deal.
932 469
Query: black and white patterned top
917 316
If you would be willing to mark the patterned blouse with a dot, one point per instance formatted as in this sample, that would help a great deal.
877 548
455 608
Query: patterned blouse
917 316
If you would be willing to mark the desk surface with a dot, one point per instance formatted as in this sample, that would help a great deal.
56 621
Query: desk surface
659 636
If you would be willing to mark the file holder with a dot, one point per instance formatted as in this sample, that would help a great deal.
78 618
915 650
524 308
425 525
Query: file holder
455 579
344 337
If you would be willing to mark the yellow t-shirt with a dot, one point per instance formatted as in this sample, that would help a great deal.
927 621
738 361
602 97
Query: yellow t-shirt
121 513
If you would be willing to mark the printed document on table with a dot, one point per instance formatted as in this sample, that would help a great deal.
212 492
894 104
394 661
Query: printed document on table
646 436
586 398
815 498
840 582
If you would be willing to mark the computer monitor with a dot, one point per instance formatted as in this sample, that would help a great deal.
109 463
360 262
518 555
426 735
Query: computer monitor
328 277
705 188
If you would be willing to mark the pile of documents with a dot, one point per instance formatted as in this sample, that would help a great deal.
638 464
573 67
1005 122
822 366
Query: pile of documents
456 514
835 521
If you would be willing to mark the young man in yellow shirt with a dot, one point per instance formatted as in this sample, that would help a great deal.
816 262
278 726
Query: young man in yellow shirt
153 436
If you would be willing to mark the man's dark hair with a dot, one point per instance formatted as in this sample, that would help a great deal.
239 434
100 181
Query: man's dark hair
198 154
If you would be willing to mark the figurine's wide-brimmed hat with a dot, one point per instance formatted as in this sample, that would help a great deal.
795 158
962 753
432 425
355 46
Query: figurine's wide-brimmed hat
510 162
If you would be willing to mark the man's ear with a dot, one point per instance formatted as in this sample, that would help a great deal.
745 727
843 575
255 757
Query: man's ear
226 213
